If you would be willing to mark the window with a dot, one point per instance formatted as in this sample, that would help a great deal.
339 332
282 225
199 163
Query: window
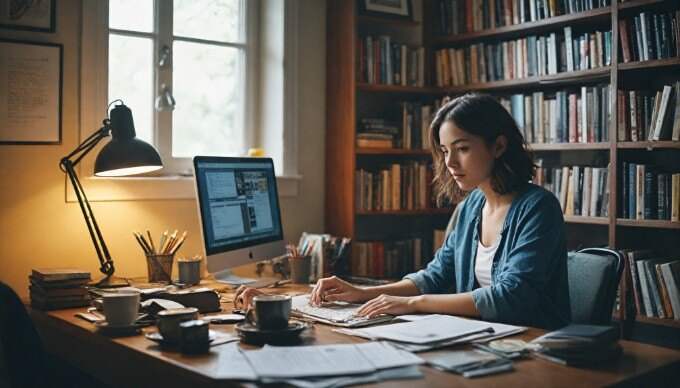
198 52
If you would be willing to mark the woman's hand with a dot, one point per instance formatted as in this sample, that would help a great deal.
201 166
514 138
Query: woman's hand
387 304
335 290
243 297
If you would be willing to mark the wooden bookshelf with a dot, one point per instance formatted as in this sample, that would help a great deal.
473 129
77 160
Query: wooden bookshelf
345 95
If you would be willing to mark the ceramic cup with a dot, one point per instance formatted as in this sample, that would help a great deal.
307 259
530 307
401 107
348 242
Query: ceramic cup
189 271
270 312
168 321
121 308
299 270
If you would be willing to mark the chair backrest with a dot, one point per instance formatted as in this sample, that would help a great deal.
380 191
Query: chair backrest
24 355
594 275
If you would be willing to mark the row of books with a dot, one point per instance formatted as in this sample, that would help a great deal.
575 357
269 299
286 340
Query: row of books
382 61
581 190
459 16
396 187
522 58
650 36
566 117
649 193
410 131
58 288
391 259
656 283
649 115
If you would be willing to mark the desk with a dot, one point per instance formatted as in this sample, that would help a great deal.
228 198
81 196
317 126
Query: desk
136 361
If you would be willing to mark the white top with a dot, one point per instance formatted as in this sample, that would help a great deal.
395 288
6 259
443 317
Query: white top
483 262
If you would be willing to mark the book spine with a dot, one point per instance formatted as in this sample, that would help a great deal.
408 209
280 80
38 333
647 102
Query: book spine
644 287
654 289
668 310
637 293
675 198
640 192
632 173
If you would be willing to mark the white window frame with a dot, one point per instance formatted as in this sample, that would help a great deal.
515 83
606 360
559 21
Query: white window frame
94 99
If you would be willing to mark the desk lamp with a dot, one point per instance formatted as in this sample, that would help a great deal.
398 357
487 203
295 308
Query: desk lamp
124 155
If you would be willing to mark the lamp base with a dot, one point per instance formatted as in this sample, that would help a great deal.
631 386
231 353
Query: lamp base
110 282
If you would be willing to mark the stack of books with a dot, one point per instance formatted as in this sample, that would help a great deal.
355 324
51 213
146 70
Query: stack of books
580 344
58 288
581 190
649 193
656 283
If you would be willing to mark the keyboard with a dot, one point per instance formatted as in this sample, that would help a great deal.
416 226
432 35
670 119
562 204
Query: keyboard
333 313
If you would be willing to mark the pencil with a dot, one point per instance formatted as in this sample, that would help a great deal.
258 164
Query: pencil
162 242
153 247
179 243
140 242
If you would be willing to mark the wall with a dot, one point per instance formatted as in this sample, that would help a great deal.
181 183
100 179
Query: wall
39 229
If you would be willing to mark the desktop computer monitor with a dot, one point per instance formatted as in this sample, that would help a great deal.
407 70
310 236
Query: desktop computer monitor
238 210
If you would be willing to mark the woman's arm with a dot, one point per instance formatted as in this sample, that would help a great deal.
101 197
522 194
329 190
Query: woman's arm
455 304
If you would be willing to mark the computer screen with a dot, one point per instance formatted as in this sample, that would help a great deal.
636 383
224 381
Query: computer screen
238 208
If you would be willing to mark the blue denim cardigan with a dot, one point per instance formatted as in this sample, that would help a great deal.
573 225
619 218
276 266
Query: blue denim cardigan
529 270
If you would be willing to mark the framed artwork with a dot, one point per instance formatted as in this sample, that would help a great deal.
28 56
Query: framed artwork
393 9
32 15
30 92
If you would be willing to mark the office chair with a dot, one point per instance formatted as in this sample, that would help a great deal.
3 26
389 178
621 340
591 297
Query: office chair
594 275
23 354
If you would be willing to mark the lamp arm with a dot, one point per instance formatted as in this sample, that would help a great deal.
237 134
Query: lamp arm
67 165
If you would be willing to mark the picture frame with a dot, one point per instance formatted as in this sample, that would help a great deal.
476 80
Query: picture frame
30 15
30 92
391 9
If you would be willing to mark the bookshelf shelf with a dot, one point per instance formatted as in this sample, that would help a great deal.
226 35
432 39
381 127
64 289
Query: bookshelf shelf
651 64
391 151
528 28
587 220
648 144
569 146
661 224
396 89
638 3
564 78
379 20
658 321
417 212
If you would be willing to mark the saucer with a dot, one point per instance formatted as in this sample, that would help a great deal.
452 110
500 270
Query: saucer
252 335
105 328
156 336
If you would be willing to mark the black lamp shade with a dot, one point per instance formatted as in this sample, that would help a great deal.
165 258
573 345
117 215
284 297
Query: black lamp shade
125 154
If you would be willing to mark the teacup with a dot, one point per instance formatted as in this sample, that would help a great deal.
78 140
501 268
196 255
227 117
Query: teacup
168 321
121 308
270 312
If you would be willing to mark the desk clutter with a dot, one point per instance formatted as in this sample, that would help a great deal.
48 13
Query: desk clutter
580 344
58 288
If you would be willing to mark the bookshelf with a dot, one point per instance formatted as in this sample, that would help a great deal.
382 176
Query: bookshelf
346 98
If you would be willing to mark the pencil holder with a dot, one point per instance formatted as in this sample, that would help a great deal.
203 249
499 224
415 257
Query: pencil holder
160 268
299 269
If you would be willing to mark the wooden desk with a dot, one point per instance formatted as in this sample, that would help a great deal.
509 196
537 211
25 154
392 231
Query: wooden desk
136 361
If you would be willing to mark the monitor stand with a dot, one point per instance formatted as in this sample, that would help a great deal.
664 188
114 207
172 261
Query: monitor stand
227 276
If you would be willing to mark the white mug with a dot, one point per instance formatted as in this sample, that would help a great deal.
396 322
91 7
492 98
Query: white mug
121 308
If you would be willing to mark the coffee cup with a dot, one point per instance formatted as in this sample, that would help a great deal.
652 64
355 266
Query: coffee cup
270 312
168 321
121 308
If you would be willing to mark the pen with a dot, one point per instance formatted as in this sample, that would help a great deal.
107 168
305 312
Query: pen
143 240
162 242
153 247
140 242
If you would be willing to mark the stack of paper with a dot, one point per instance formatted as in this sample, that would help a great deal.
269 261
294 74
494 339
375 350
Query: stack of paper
434 331
470 363
320 366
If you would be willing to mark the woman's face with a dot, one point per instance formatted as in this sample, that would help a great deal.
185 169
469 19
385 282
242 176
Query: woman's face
467 156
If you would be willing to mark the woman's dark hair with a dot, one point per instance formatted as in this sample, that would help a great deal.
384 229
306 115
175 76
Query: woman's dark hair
481 115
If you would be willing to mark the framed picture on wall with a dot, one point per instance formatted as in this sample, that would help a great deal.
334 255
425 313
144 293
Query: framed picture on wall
393 9
30 92
32 15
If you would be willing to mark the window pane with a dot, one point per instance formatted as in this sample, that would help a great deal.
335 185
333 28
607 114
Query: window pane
207 91
131 79
207 19
133 15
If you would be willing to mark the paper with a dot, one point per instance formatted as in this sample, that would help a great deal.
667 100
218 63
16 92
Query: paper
384 356
307 361
231 364
403 373
425 331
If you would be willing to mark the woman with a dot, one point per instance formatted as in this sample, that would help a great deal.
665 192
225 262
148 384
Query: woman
506 258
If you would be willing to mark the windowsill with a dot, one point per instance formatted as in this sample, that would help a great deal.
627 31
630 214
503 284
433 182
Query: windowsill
171 187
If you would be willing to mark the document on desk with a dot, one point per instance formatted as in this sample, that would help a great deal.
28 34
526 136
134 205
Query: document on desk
425 330
232 364
326 360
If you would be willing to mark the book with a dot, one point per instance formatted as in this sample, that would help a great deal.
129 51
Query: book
59 284
671 276
664 292
59 274
59 292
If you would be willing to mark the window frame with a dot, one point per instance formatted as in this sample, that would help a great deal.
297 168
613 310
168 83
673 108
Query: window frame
171 185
